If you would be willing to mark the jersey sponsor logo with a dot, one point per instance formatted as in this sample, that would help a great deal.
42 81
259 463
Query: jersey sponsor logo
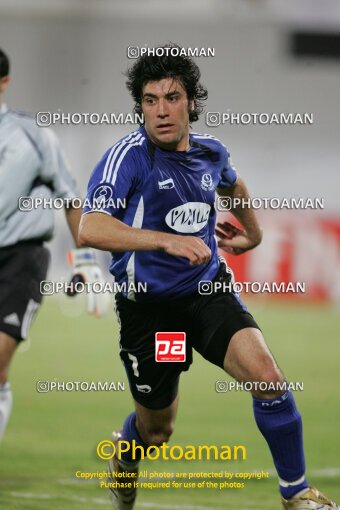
188 218
143 388
207 182
170 347
167 184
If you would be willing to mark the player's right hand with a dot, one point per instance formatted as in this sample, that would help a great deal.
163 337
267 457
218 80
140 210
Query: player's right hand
189 247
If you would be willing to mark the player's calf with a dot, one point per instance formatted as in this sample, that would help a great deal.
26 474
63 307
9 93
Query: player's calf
280 423
8 346
154 430
127 459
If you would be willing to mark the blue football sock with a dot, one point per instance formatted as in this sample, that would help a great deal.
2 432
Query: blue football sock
280 424
129 433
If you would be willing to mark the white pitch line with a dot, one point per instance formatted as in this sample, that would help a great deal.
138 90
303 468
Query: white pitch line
175 507
323 472
30 495
102 501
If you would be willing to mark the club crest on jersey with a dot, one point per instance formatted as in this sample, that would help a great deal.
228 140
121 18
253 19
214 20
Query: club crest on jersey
188 218
207 182
102 196
167 184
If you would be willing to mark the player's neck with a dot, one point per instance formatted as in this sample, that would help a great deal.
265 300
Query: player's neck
182 146
3 106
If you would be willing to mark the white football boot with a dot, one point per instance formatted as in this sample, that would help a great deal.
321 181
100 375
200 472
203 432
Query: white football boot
312 499
122 499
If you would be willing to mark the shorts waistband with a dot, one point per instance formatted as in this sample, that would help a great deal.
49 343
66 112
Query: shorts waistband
26 242
221 275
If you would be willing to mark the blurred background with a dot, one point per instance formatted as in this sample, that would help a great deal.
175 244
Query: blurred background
270 56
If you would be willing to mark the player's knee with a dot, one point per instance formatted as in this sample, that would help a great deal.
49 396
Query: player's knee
270 379
156 436
3 373
4 366
272 376
8 346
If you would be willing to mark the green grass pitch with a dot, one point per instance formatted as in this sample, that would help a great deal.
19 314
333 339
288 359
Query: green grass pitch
50 436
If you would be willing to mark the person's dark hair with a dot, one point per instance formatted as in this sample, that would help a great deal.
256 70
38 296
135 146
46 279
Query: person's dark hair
170 65
4 64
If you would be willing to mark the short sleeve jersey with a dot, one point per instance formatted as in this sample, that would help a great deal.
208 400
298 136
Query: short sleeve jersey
147 187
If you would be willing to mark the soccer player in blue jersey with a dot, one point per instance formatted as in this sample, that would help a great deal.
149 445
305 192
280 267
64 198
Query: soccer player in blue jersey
168 176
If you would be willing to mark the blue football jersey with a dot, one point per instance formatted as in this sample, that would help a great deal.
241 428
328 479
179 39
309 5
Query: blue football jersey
147 187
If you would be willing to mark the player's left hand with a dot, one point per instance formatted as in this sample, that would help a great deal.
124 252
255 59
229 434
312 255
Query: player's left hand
233 240
86 270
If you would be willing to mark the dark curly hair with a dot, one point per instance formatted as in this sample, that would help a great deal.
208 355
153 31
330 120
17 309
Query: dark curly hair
4 64
170 65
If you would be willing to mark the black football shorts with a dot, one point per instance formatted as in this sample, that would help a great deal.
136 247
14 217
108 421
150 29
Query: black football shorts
209 322
22 267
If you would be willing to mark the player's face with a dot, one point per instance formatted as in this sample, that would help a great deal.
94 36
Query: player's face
166 113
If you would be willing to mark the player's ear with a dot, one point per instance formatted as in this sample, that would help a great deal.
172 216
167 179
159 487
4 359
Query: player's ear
4 82
191 105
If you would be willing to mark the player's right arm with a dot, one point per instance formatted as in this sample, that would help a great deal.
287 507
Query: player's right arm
103 232
101 229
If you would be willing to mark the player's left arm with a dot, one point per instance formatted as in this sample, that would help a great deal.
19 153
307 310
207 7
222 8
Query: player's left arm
231 239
